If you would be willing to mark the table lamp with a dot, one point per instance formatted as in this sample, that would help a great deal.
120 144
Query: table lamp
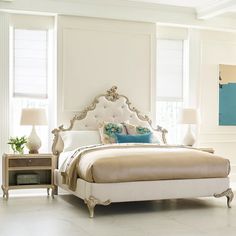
33 116
188 116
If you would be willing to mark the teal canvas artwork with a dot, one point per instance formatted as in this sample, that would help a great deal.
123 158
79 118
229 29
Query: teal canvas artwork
227 95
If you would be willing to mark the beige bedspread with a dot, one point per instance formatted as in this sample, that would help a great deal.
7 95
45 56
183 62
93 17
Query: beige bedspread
141 162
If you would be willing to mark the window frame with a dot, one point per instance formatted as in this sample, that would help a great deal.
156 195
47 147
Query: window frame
185 83
51 77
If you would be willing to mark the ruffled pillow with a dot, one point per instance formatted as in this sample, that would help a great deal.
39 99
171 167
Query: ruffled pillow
134 130
108 130
138 130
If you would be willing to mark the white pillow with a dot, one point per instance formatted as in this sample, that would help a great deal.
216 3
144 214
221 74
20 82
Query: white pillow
75 139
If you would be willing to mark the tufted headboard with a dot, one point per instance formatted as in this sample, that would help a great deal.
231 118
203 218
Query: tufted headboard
110 107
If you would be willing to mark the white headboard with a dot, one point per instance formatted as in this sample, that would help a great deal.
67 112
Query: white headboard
110 107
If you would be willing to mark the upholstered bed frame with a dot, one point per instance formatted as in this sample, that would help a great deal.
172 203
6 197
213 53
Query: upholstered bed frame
113 107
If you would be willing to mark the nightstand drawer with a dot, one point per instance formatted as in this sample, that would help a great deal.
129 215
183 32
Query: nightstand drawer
30 162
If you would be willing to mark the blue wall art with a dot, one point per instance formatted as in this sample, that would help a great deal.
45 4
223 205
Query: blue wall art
227 95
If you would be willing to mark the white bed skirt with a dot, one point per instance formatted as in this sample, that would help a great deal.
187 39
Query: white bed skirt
146 190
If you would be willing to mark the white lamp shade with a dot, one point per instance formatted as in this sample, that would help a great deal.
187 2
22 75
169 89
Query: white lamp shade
188 116
33 116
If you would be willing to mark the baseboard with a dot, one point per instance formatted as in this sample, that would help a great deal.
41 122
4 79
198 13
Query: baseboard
27 192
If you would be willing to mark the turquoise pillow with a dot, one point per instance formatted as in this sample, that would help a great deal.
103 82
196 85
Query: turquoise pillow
141 138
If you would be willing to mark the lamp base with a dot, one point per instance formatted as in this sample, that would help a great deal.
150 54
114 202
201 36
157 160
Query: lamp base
34 142
189 138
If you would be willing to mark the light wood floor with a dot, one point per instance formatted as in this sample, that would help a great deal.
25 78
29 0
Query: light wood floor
67 216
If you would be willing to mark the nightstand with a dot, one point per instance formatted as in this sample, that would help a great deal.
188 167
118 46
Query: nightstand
28 171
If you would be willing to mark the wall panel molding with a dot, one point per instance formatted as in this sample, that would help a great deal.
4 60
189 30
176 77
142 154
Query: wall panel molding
223 47
4 84
216 48
95 54
4 81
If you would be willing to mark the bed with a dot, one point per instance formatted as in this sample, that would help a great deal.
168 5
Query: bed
96 174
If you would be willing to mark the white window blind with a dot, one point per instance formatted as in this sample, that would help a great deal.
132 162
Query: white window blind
170 70
30 63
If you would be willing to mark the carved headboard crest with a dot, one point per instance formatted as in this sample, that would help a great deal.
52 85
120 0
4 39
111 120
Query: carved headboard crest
111 96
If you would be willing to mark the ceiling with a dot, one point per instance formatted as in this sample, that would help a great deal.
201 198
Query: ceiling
198 9
182 3
205 9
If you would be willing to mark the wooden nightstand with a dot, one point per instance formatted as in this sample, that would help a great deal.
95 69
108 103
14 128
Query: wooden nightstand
40 166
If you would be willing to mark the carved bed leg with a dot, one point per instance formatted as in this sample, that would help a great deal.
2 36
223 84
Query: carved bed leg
91 202
227 193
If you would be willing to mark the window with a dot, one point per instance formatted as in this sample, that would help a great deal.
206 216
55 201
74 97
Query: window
31 83
30 63
170 81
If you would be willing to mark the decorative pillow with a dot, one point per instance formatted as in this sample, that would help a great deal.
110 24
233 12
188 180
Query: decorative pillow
108 131
140 138
134 130
137 129
74 139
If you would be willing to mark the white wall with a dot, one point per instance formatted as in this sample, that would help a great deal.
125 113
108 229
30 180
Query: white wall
95 54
